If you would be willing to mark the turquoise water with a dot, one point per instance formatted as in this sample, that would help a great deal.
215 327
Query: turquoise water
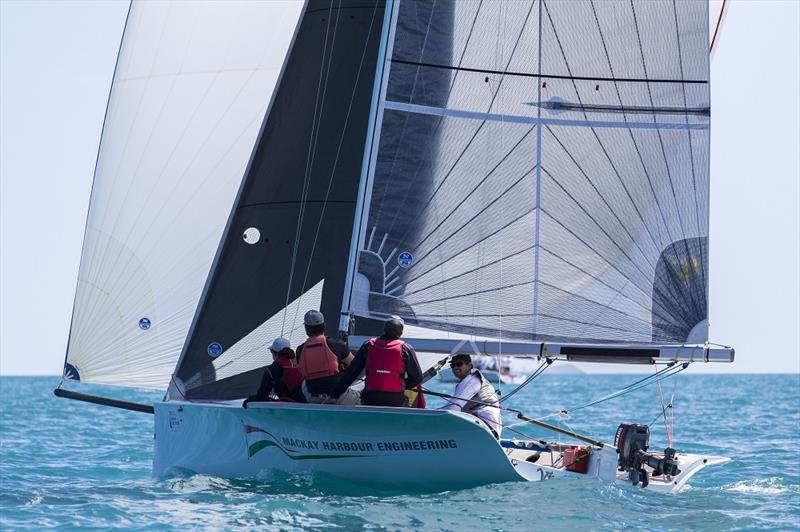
68 464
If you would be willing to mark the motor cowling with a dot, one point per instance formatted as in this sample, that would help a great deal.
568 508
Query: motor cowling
632 441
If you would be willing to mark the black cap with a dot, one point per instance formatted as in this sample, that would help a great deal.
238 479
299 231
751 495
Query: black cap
461 357
393 326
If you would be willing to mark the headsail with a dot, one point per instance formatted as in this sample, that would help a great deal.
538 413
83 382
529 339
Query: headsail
192 84
555 185
286 247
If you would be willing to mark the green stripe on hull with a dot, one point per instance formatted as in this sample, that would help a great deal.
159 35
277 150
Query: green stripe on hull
257 446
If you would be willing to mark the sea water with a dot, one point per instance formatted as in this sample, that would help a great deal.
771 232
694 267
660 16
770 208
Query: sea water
69 464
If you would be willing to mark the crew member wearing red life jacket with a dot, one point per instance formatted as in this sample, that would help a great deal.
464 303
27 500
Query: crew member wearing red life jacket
321 361
391 367
282 378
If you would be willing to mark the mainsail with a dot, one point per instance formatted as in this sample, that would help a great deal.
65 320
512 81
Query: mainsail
192 85
555 186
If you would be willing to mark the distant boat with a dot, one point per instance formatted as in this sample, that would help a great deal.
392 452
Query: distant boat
532 175
446 375
489 367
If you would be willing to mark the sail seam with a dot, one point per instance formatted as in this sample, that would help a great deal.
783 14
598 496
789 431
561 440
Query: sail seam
548 76
525 119
659 245
538 226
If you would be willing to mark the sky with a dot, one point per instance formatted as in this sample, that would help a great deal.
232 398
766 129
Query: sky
56 63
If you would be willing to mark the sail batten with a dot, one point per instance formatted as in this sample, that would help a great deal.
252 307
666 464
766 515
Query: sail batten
541 172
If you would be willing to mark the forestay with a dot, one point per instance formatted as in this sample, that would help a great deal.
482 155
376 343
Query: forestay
192 84
545 176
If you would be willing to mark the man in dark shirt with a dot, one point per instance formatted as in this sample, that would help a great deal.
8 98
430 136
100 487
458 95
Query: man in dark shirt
282 378
317 388
391 368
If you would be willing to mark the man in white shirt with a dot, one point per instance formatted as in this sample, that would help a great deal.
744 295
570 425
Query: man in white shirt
473 394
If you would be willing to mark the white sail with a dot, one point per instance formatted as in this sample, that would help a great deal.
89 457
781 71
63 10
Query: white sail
540 172
191 88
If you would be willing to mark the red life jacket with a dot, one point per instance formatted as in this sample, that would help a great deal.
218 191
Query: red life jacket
385 367
317 360
292 378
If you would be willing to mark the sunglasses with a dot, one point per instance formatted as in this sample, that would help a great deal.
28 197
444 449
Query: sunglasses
456 364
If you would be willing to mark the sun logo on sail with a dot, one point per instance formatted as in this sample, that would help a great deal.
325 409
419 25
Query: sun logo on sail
378 285
687 269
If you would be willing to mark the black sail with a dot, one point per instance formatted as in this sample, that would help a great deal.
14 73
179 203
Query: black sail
290 230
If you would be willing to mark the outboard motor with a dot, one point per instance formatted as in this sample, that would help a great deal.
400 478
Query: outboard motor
631 442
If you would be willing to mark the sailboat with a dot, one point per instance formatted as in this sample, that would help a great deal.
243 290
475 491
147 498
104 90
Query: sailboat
524 178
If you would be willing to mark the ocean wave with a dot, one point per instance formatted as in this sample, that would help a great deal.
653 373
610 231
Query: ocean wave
766 486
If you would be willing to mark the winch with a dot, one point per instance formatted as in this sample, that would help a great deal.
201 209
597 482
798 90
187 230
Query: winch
631 441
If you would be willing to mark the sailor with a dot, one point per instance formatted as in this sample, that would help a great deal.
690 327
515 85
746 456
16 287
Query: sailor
282 378
321 360
473 393
391 368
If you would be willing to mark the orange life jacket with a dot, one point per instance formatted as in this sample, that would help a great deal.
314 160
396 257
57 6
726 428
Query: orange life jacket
317 360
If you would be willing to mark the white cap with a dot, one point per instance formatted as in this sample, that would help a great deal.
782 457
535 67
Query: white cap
279 344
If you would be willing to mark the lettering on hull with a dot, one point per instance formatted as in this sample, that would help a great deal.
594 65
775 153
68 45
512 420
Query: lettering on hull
305 449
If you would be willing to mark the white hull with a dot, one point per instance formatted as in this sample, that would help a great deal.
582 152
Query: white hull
383 448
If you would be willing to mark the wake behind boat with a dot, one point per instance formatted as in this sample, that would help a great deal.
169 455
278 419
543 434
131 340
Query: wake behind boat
525 179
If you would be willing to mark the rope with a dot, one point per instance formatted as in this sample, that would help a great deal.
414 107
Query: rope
667 427
318 108
530 379
670 370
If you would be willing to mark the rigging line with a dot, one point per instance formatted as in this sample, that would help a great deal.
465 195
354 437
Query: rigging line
664 410
430 146
483 122
541 369
463 200
690 148
547 76
307 174
717 26
339 147
472 219
665 373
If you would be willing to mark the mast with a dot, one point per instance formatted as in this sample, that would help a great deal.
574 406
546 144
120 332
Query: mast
370 151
